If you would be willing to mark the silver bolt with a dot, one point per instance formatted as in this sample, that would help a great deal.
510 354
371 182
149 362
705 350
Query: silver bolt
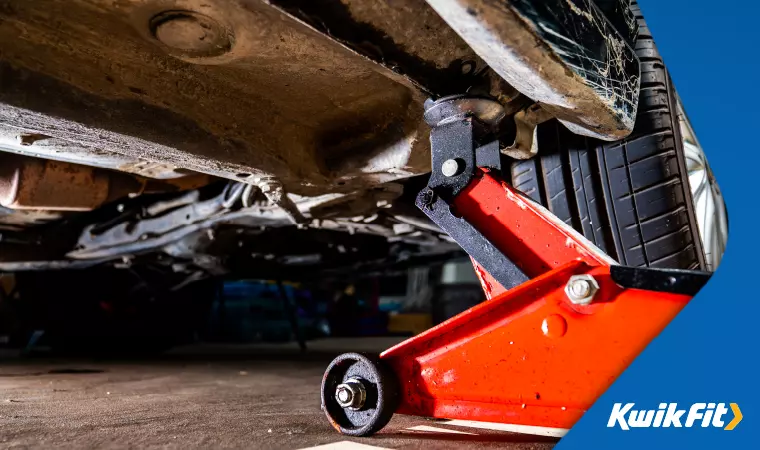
450 167
344 395
351 394
580 289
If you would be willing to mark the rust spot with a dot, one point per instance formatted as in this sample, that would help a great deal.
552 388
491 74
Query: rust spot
32 183
26 139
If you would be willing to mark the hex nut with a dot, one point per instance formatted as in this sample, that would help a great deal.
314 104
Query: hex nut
580 289
351 394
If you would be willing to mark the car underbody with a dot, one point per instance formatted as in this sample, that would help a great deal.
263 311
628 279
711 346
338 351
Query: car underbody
256 136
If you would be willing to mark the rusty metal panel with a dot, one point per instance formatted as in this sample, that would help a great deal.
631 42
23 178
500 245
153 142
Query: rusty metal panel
272 96
406 36
37 145
563 54
38 184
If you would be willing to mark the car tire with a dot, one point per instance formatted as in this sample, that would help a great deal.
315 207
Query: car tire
630 197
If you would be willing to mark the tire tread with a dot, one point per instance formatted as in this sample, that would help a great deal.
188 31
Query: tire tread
629 197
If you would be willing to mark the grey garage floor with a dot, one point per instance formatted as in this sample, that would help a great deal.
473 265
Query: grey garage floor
204 397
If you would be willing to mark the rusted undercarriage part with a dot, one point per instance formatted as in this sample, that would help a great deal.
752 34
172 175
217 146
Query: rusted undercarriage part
235 88
14 140
322 95
38 184
526 120
183 227
35 190
302 98
564 54
153 227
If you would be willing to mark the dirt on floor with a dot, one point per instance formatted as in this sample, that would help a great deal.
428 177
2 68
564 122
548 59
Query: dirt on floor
203 397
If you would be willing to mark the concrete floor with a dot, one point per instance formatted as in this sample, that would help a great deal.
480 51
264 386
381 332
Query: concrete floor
205 397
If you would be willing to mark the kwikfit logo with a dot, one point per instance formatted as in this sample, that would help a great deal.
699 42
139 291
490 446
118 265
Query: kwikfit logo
669 415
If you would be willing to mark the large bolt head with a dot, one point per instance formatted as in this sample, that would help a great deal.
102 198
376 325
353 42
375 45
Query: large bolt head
580 289
351 394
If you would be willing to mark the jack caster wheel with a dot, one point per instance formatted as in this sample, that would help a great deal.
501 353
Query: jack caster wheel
359 394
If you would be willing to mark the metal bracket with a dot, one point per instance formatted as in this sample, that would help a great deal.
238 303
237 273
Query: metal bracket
675 281
457 122
527 121
461 138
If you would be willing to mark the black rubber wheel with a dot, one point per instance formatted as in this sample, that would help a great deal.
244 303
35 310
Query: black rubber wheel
381 394
631 197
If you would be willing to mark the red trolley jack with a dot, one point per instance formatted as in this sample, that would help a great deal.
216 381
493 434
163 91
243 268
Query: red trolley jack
560 323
